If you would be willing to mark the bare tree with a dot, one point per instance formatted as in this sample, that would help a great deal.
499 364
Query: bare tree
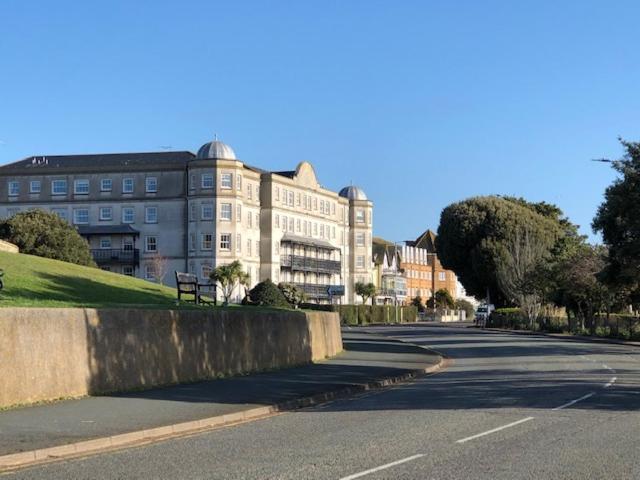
160 267
518 272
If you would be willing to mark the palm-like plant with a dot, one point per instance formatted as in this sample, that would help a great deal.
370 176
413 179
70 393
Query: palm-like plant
228 276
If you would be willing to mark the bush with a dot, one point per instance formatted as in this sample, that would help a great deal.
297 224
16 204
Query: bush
292 293
44 234
267 294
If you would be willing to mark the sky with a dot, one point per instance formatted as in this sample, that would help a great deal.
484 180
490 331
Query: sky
420 103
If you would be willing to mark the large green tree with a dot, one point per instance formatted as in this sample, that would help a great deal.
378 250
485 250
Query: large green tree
476 235
618 219
44 234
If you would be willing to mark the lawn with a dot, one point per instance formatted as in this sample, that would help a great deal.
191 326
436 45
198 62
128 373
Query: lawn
40 282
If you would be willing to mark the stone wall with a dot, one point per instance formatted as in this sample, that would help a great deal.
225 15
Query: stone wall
50 353
8 247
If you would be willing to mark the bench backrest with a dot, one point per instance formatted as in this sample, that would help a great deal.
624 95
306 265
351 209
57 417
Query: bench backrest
188 280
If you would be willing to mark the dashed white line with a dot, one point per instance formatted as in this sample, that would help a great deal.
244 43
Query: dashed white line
383 467
568 404
494 430
611 382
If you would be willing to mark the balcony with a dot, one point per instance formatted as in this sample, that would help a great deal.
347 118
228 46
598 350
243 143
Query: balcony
108 256
309 264
314 290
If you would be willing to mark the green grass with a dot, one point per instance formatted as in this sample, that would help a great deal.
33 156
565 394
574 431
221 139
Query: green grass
40 282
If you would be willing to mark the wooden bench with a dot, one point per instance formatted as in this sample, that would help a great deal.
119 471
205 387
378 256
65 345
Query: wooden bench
187 283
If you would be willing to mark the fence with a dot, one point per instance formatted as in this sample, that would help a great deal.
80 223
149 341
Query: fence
614 325
366 314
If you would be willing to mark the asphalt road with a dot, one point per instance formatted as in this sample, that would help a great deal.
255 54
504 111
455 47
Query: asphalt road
510 407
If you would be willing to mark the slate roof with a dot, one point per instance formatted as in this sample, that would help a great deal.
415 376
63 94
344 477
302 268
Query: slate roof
99 161
426 240
381 246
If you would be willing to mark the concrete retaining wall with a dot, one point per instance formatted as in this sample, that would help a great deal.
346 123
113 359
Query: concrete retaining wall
49 353
8 247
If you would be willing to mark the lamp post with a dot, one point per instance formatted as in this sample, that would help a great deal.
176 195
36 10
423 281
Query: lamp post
395 277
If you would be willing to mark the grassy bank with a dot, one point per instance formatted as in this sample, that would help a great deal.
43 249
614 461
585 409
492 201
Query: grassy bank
40 282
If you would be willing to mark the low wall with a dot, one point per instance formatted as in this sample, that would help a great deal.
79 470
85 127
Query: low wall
50 353
8 247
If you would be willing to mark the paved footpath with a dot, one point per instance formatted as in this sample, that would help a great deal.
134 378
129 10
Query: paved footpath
367 359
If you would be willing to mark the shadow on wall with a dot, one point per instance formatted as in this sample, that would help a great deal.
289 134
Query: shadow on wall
138 349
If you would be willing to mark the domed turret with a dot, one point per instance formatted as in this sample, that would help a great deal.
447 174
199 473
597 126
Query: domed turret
353 193
217 150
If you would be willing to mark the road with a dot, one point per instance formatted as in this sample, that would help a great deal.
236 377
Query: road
508 407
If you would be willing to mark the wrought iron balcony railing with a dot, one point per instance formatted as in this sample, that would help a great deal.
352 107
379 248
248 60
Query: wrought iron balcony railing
103 256
310 264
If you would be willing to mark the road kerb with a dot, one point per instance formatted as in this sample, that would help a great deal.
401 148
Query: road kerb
44 455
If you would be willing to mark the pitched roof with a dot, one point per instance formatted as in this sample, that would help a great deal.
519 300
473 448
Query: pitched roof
99 161
380 246
426 240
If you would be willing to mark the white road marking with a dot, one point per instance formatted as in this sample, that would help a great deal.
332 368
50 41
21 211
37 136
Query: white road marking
568 404
383 467
494 430
611 382
608 367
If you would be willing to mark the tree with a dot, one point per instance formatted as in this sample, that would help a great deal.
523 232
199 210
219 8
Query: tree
473 235
444 299
417 302
365 290
618 219
266 293
518 271
228 277
467 306
44 234
292 293
160 267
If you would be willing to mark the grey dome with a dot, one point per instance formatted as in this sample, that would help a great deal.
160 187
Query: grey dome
216 149
353 193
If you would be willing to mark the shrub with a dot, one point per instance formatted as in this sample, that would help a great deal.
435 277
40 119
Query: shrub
292 293
266 293
44 234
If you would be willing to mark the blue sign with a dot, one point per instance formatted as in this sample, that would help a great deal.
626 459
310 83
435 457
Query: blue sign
334 290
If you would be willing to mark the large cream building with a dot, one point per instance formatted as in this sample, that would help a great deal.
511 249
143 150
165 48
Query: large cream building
201 211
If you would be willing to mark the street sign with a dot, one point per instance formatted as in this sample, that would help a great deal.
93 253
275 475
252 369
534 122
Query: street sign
334 290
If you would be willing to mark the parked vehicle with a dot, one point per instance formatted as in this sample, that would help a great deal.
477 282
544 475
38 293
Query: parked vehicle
482 314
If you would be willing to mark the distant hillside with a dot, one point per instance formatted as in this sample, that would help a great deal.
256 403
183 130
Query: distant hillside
40 282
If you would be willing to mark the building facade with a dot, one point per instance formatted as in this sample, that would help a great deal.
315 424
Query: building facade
424 272
141 212
389 277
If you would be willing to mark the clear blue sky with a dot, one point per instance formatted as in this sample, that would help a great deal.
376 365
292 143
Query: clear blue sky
421 103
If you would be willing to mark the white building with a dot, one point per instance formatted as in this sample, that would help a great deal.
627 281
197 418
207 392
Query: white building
201 211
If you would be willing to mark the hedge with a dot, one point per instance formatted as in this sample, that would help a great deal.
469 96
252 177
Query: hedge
367 314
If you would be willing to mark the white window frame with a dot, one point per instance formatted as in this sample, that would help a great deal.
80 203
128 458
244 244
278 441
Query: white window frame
75 216
61 212
206 181
226 212
206 241
360 239
106 184
238 243
225 239
151 184
106 245
59 187
226 181
13 188
442 276
33 183
148 243
104 218
128 181
206 211
360 217
133 214
239 213
78 183
148 216
360 261
150 271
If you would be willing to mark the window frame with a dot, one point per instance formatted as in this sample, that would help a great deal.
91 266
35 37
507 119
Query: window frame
147 187
80 181
60 182
103 218
126 181
150 208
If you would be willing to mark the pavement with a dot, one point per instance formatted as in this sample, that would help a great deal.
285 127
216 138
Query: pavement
367 361
508 407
